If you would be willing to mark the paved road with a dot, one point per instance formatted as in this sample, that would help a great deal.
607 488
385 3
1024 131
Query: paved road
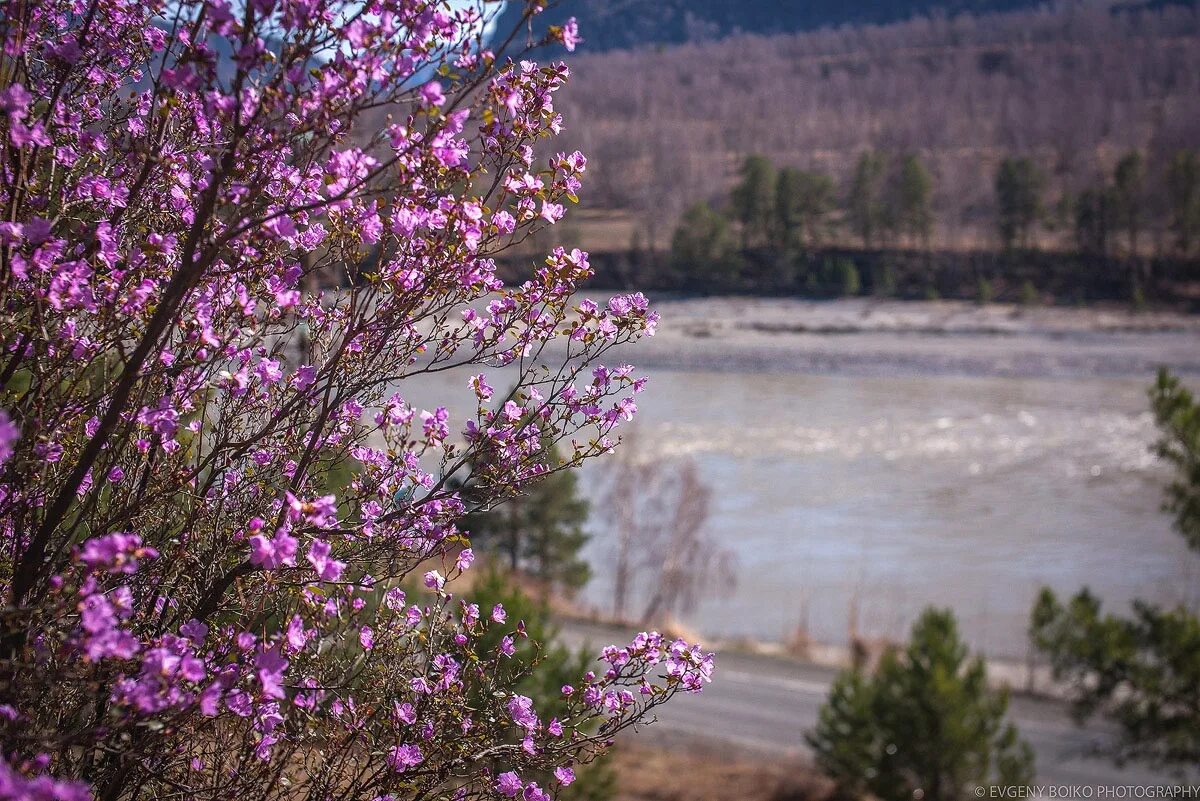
764 705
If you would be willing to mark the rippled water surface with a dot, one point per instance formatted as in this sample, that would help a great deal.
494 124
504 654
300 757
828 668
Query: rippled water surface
884 495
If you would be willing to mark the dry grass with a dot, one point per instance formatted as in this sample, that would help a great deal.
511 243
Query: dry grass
710 773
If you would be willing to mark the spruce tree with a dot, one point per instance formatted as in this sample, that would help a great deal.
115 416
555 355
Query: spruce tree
556 665
803 203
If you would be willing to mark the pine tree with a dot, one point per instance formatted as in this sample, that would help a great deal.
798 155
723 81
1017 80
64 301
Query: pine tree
846 737
753 200
803 203
1095 220
1143 671
1183 193
1128 195
913 197
703 246
556 665
864 206
1019 186
925 725
540 532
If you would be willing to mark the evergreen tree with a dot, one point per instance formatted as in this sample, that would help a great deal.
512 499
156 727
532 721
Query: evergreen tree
703 246
1018 200
817 202
541 531
913 211
788 200
754 200
1183 191
849 283
803 202
555 665
864 207
1128 197
846 737
1143 671
925 725
1095 220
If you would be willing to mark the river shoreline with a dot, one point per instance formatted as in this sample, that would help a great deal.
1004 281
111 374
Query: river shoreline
890 338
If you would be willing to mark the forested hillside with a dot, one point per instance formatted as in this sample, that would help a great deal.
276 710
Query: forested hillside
1073 90
621 24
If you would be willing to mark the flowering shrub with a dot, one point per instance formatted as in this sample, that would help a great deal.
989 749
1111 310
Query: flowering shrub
193 606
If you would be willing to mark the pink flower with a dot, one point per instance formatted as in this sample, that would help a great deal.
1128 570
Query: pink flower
318 556
9 434
564 775
552 212
431 94
276 552
403 757
535 793
509 784
520 709
465 558
269 667
570 35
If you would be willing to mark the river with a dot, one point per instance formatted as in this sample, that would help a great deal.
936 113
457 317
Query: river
852 497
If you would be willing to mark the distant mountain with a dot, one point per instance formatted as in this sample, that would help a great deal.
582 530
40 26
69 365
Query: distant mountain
619 24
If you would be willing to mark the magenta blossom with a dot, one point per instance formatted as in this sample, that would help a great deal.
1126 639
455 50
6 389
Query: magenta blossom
9 434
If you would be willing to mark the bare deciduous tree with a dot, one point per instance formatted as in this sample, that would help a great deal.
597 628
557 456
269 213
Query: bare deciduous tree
658 509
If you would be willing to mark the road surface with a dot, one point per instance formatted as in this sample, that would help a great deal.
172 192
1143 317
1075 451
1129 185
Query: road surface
764 705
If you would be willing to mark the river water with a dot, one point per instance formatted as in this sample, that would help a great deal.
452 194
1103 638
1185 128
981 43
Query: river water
853 501
868 498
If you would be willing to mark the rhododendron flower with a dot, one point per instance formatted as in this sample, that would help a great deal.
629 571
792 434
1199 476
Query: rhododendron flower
278 551
404 757
465 557
564 775
9 434
509 784
520 708
318 556
570 34
221 262
431 94
269 667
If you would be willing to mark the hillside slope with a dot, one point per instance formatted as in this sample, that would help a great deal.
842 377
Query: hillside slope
619 24
1071 89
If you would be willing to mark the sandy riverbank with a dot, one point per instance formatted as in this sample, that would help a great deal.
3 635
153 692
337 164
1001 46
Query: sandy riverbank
872 337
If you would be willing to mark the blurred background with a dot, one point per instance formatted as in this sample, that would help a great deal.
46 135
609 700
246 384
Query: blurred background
918 263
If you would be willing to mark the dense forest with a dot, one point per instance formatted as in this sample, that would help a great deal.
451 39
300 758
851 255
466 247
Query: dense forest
1072 90
626 24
